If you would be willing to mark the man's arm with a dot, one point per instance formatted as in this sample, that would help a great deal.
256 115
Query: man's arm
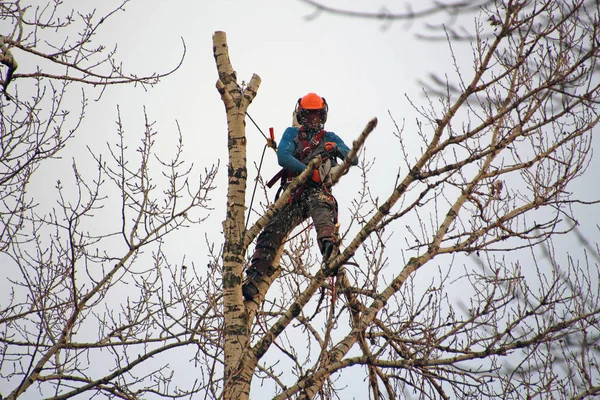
343 149
285 151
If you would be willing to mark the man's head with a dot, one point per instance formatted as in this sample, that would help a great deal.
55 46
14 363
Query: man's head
311 111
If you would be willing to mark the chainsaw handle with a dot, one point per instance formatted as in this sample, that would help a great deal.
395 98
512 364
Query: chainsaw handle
272 143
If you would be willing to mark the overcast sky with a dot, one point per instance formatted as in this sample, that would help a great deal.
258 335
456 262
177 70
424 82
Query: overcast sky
362 70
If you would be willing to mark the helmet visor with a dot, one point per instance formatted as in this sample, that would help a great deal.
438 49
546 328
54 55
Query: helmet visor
319 113
312 118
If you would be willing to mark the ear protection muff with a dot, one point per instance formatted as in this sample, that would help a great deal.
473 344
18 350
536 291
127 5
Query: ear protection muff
325 110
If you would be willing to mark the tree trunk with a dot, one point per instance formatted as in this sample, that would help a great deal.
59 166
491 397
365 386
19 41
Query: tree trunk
239 364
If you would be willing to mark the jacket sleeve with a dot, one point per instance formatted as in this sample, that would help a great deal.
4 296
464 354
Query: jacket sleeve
332 137
285 151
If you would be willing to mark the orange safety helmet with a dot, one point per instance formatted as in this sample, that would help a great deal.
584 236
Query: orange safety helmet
311 102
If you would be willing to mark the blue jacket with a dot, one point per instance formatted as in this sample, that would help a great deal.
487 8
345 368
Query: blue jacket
287 145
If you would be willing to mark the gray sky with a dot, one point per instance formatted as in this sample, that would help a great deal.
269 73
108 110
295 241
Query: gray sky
362 70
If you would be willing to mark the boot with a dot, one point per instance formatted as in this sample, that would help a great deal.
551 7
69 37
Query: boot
250 285
327 248
261 265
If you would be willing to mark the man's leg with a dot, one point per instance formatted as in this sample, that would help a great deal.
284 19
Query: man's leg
267 244
323 210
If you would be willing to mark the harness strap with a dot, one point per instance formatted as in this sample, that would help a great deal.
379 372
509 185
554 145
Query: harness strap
309 145
285 176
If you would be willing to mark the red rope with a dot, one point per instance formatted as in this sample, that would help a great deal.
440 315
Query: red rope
333 290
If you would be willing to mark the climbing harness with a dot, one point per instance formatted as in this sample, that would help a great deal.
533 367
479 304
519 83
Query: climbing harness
307 149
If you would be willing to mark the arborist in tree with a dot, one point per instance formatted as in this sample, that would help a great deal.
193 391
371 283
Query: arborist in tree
296 148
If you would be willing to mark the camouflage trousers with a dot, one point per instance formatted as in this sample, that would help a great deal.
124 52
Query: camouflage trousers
315 202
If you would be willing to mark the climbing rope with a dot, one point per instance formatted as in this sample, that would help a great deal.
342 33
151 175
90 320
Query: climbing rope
270 143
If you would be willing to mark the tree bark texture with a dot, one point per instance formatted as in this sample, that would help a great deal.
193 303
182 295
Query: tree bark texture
236 100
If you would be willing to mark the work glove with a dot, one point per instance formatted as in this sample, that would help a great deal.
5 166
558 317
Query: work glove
332 171
316 177
330 147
